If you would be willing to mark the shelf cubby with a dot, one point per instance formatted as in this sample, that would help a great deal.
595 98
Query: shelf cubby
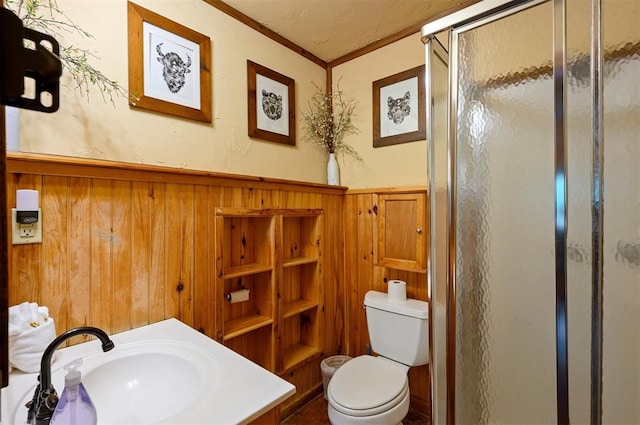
256 346
300 338
300 238
245 316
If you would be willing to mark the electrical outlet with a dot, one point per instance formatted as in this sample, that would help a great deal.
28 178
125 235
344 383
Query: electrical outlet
26 233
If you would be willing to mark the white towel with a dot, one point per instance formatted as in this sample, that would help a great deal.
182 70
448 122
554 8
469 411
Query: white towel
31 330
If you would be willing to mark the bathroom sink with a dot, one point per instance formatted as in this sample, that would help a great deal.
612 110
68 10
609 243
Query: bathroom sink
149 382
164 373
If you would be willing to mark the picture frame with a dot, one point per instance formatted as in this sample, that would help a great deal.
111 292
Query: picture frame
271 105
399 114
169 66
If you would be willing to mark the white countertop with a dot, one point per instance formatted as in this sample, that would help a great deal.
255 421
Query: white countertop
240 391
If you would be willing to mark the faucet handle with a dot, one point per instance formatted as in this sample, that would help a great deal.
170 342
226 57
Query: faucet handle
51 399
42 405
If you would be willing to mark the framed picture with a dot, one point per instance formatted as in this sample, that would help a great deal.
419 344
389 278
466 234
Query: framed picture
399 108
169 66
271 105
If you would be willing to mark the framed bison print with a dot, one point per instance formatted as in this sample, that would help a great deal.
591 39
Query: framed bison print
169 66
399 108
271 105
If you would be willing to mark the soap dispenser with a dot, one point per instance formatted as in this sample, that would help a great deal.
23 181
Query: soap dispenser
74 407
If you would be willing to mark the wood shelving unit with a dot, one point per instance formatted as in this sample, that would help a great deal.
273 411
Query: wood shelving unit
276 255
300 290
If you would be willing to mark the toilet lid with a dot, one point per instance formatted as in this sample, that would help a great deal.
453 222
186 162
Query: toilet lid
367 383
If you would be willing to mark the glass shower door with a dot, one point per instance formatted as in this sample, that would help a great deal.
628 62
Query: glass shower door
621 221
543 196
503 200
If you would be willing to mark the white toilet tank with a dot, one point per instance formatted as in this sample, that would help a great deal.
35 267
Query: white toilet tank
399 330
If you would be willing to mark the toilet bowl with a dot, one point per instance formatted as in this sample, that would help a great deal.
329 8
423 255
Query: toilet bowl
375 390
369 390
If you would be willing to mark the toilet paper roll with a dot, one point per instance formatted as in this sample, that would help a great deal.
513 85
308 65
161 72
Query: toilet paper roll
238 296
397 291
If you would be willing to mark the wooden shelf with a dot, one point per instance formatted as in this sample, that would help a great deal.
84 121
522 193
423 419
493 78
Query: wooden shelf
296 307
242 325
246 269
299 353
299 261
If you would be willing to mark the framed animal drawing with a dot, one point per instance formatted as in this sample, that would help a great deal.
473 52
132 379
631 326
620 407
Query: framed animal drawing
271 105
399 108
169 66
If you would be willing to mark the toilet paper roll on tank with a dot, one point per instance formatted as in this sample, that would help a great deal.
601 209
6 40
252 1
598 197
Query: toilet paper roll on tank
397 290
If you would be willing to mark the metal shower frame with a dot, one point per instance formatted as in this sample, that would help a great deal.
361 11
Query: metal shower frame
479 14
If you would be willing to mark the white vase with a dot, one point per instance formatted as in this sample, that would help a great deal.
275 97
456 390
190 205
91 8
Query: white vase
333 172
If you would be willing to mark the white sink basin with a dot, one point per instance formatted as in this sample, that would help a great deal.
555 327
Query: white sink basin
149 382
165 373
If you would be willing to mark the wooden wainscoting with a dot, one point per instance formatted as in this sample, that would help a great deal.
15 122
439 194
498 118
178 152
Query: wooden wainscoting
125 245
364 273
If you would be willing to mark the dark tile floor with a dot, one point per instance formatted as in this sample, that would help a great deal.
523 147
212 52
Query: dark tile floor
315 413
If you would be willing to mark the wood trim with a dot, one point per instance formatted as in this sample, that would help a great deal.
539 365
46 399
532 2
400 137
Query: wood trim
82 167
4 256
397 36
407 189
376 45
4 262
257 26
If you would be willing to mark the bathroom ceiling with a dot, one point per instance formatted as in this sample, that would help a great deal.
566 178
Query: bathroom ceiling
330 29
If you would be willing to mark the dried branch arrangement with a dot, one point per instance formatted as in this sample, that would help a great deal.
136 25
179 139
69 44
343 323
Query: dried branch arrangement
328 120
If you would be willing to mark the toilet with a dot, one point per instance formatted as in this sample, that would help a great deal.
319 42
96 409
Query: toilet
375 389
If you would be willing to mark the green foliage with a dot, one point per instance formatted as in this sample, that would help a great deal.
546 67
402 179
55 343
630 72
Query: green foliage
45 16
328 120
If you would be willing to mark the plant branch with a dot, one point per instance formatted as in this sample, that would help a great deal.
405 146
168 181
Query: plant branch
328 120
45 16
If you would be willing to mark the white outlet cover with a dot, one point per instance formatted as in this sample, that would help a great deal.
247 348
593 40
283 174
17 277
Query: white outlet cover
16 227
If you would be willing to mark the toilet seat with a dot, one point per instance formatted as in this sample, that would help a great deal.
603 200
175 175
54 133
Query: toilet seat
367 386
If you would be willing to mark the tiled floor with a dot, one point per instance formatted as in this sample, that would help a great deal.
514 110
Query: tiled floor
315 413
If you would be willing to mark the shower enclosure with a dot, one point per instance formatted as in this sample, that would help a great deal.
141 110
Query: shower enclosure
534 158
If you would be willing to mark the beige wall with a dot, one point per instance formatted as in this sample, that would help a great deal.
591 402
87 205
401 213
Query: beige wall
97 129
396 165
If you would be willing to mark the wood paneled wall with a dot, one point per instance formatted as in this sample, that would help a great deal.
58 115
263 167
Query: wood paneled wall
125 245
362 275
128 245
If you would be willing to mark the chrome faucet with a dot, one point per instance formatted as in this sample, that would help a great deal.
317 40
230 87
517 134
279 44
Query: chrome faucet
45 398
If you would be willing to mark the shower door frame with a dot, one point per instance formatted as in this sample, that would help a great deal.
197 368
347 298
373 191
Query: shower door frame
464 20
